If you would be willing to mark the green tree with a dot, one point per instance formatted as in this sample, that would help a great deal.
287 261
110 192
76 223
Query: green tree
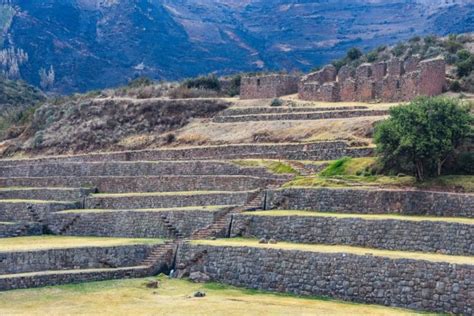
420 136
354 53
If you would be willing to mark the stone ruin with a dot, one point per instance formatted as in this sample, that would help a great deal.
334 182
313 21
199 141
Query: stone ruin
268 86
390 81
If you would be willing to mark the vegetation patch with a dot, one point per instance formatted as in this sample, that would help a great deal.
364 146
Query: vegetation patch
132 297
274 166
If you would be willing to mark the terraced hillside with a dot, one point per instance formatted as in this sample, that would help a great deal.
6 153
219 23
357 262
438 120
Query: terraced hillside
228 207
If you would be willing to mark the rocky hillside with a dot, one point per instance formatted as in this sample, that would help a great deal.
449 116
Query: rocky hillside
79 45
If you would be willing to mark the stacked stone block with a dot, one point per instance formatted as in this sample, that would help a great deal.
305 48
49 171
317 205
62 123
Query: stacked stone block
391 81
268 86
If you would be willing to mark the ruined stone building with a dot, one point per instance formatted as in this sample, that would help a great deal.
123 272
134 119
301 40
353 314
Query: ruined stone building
390 81
268 86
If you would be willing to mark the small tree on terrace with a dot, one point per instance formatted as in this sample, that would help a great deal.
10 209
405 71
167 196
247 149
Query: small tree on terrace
419 137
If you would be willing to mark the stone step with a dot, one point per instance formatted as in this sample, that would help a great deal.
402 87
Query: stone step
135 168
372 201
392 232
251 110
165 183
300 116
166 199
136 223
326 150
50 278
429 282
18 229
43 193
32 210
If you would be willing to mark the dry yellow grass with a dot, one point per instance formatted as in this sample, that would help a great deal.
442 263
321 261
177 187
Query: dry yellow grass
240 242
173 297
61 242
373 217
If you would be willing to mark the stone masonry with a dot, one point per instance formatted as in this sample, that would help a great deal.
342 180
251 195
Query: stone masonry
390 81
417 284
268 86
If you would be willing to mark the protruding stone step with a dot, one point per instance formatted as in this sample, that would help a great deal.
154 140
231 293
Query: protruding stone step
32 210
165 183
43 193
372 201
393 232
299 116
167 223
166 199
430 282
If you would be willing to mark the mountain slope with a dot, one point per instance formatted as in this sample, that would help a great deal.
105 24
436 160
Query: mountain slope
97 43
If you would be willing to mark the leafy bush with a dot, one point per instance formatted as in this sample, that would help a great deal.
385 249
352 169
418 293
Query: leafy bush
399 49
276 102
210 82
419 137
455 86
465 67
354 53
234 86
372 56
140 82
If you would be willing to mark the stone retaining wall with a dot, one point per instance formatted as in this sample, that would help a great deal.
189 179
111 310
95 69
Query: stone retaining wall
239 151
268 86
164 201
147 184
73 258
45 194
392 234
299 116
20 229
372 201
137 168
27 212
285 109
14 282
133 224
417 284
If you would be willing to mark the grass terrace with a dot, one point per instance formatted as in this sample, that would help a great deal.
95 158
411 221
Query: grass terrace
253 243
182 193
174 297
274 166
64 242
374 217
171 209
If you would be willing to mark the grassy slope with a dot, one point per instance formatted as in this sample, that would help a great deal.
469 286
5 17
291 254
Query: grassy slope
56 242
355 172
243 242
173 297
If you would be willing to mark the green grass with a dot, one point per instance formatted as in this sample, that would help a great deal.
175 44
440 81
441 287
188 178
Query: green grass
174 297
274 166
253 243
284 213
63 242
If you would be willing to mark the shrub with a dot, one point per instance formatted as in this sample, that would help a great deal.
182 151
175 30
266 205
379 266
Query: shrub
463 54
465 67
276 102
354 53
372 56
210 82
399 49
419 137
140 82
234 86
464 163
455 86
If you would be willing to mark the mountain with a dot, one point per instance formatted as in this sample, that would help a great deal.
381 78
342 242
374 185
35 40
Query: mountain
78 45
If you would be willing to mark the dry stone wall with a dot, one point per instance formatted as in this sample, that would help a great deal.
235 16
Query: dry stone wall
393 234
372 201
20 229
268 86
26 211
73 258
390 81
417 284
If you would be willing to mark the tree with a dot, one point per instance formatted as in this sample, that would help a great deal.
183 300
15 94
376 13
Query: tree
47 78
354 53
420 136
